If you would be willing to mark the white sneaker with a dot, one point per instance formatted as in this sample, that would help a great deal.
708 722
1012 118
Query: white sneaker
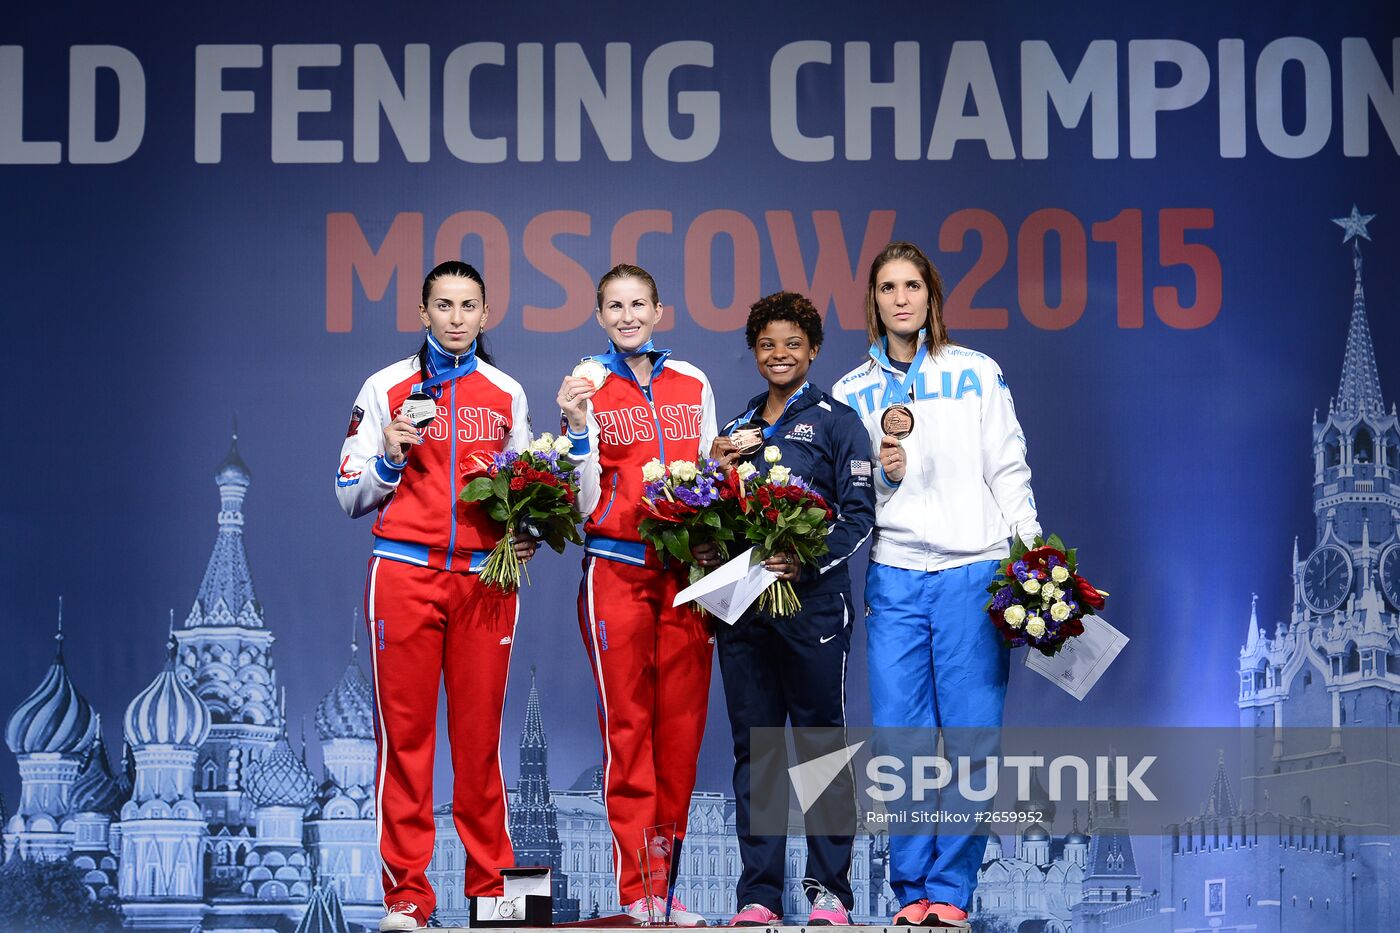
402 915
681 917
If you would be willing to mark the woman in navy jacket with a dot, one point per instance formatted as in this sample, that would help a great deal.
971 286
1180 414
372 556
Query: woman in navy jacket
781 669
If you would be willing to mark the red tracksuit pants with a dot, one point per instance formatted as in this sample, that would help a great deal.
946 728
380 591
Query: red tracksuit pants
651 663
425 625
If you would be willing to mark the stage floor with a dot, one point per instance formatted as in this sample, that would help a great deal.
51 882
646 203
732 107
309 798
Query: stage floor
795 928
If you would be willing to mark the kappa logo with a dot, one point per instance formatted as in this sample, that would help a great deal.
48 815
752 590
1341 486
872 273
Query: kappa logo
802 432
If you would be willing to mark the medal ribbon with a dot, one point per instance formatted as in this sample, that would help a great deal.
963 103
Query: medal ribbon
768 431
905 386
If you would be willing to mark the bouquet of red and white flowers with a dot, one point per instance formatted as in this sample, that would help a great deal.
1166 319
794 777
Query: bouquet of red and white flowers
688 504
781 514
1039 598
534 491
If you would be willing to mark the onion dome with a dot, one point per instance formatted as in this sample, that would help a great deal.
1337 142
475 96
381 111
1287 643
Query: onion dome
281 779
1035 833
1075 837
96 789
167 712
55 717
233 469
347 711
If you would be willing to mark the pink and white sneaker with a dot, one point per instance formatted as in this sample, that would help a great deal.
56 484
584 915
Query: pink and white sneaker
638 910
827 909
756 915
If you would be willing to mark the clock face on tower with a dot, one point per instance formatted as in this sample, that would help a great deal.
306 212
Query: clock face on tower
1327 578
1390 574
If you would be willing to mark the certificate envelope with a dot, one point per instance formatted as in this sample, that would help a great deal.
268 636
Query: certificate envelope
1083 659
730 588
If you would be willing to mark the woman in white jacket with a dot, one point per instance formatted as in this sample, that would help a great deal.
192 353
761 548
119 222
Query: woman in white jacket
952 486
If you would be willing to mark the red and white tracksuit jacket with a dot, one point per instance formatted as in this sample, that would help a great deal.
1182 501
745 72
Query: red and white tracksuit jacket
430 616
651 662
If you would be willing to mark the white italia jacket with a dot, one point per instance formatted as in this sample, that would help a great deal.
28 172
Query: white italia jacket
966 486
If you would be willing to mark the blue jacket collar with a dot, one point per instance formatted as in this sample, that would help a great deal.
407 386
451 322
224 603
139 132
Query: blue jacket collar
439 360
810 396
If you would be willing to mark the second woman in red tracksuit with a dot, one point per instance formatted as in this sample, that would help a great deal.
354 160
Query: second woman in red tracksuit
651 661
429 614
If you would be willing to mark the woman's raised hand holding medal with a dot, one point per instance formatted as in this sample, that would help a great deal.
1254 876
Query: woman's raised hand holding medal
578 387
400 435
892 458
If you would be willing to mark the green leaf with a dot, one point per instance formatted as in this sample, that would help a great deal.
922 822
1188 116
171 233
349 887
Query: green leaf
501 485
498 511
1056 543
477 489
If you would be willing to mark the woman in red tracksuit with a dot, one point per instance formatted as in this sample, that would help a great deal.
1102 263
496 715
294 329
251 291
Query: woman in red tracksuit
429 614
651 662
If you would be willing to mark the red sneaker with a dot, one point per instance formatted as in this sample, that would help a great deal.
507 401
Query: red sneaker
941 914
912 915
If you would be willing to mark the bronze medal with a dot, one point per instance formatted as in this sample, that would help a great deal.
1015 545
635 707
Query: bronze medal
897 421
748 438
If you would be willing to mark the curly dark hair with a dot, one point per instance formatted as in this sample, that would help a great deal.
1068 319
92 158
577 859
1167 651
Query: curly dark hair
784 306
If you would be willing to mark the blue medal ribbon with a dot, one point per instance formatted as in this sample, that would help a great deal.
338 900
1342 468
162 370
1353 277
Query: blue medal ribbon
768 431
615 360
904 388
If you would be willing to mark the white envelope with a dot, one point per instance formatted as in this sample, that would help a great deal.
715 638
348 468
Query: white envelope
730 588
1083 659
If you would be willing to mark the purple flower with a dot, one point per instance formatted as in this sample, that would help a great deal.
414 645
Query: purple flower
1003 597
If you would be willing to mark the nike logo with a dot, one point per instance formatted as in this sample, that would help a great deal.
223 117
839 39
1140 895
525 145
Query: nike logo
822 641
506 640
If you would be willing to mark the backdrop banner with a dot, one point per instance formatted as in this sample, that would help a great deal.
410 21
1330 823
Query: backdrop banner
1174 227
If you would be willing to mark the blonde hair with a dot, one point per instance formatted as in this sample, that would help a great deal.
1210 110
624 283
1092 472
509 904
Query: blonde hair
624 270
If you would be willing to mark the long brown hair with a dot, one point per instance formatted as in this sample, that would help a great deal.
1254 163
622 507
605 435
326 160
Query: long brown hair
937 330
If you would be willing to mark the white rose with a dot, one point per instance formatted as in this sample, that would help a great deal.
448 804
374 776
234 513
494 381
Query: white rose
1054 592
1035 627
1059 612
652 471
1031 586
746 469
1060 574
562 445
780 474
593 371
1014 615
542 443
772 454
683 470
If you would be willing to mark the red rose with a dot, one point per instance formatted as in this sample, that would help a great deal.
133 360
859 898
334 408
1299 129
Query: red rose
568 494
771 515
547 479
765 498
1071 627
520 467
1085 593
517 483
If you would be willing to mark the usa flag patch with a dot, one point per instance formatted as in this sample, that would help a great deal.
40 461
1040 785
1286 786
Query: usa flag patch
860 467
